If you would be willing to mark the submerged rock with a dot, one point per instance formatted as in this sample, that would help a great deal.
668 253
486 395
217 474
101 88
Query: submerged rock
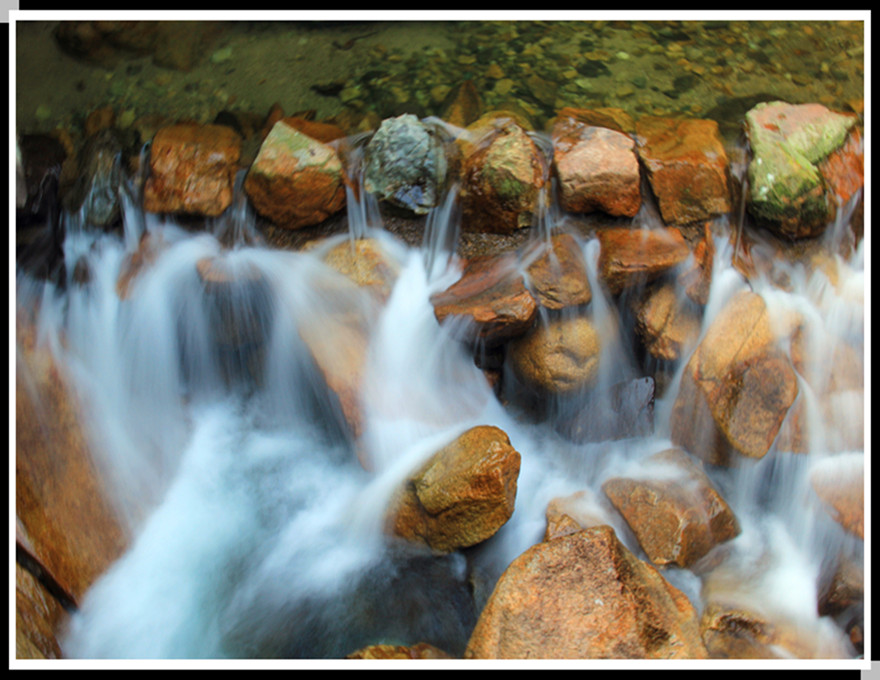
585 596
295 181
787 191
463 495
405 164
674 511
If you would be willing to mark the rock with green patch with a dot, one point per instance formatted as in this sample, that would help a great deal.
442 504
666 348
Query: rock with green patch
787 191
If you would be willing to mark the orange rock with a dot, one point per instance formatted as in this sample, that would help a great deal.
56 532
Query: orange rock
609 117
585 596
628 257
192 169
323 132
421 650
559 276
687 166
38 618
666 324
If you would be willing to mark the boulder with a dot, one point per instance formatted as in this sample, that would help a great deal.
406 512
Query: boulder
737 387
674 511
687 167
557 357
667 324
405 164
631 257
38 618
192 169
295 181
585 596
839 482
462 495
501 179
597 169
787 191
366 263
321 131
463 105
490 300
570 514
558 277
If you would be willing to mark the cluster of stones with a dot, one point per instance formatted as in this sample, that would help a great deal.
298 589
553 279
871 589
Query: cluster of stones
581 593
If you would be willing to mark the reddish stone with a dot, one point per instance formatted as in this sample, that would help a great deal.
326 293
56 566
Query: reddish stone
844 169
629 257
295 181
559 276
491 297
597 169
585 596
192 169
687 166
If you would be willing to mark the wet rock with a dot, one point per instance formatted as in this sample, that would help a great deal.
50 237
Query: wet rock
322 131
558 278
100 119
405 164
696 278
63 511
843 590
737 387
667 324
149 248
839 481
843 170
627 410
367 263
597 169
41 156
687 167
100 177
585 596
611 118
463 105
490 301
631 257
38 617
786 189
295 181
192 169
462 495
559 357
501 179
422 650
570 514
674 511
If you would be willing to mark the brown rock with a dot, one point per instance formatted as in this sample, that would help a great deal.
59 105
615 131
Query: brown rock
629 257
696 280
570 514
38 616
559 276
501 179
687 167
100 119
559 357
422 650
367 263
597 169
192 169
491 298
839 481
295 181
323 132
611 118
624 410
63 511
737 387
462 495
149 248
666 324
675 512
585 596
463 105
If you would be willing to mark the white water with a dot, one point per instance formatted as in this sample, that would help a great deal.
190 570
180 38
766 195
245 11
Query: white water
256 531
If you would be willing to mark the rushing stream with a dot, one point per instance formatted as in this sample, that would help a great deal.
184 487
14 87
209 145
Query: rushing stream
256 530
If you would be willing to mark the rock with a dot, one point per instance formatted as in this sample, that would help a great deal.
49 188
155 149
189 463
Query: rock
500 182
597 169
405 164
667 324
626 410
366 263
422 650
321 131
463 495
631 257
41 156
839 481
611 118
463 105
559 357
192 169
786 189
63 511
558 278
100 119
843 590
585 596
149 248
674 511
295 181
38 617
696 279
490 301
736 388
570 514
687 167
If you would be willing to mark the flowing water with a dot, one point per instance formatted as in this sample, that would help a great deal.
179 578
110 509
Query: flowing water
256 530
